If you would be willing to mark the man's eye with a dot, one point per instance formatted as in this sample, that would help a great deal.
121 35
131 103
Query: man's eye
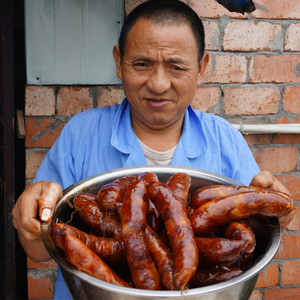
176 68
140 64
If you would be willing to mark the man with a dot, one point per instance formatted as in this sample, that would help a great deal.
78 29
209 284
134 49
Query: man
160 59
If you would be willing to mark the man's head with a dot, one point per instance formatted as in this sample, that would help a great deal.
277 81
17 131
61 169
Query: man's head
165 12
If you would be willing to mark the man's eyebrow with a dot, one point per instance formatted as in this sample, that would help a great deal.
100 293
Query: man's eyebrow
177 60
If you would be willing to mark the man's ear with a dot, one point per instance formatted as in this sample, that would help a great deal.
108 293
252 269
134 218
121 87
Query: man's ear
117 58
203 63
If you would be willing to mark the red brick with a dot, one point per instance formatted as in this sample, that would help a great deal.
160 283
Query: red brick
277 159
283 138
268 276
290 274
275 68
212 32
40 287
257 139
291 98
292 38
282 294
51 264
109 96
206 98
292 183
251 100
277 9
226 69
256 295
34 159
288 120
290 247
42 132
73 100
212 9
252 36
39 101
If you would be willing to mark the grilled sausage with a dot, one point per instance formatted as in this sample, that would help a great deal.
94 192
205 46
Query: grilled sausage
84 259
180 233
100 223
162 258
221 211
133 221
109 249
111 194
180 184
215 251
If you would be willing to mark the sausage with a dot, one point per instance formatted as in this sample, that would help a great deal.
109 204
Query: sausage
180 233
240 230
111 194
180 184
84 259
148 177
133 222
261 202
209 193
97 220
162 258
109 249
213 275
215 251
154 219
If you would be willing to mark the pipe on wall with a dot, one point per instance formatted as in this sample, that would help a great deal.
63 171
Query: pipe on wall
267 128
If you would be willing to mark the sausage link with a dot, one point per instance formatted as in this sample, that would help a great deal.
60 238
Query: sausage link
100 223
109 249
240 230
213 275
209 193
215 251
154 219
162 258
111 194
180 184
261 202
180 233
133 222
84 259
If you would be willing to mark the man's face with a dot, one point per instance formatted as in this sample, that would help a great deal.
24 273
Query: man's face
160 73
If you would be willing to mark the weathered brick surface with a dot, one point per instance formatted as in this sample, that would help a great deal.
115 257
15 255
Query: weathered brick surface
275 68
252 36
39 101
73 100
251 100
290 245
212 9
206 98
225 69
40 286
291 272
291 98
33 161
212 35
268 277
292 38
282 294
277 9
277 159
42 132
109 96
256 295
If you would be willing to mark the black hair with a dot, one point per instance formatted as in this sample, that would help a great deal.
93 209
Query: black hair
165 12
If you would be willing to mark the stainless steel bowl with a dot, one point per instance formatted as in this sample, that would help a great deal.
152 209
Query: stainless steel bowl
84 286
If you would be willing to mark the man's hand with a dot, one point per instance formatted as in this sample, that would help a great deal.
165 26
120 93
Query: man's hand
36 203
266 179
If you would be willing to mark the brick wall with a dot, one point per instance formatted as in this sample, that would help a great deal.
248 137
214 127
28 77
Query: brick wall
253 77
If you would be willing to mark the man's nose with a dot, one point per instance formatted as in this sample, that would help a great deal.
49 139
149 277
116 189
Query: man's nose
158 81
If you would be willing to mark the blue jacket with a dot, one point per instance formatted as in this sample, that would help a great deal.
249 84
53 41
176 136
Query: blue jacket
102 139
